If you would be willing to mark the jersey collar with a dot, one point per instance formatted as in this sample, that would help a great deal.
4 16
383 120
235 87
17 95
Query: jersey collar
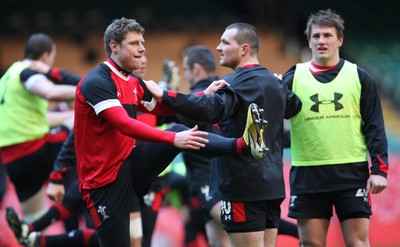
123 74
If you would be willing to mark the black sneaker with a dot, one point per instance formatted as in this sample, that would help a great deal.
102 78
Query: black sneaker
254 132
20 229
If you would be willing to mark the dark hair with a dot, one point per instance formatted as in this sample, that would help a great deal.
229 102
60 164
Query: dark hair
37 45
117 31
325 18
201 55
246 33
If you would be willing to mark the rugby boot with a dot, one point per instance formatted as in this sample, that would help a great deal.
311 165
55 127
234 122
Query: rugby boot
254 132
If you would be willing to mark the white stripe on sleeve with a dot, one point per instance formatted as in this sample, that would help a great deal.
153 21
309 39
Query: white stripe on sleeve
103 105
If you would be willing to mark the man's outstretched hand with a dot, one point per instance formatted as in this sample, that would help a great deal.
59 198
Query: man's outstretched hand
190 139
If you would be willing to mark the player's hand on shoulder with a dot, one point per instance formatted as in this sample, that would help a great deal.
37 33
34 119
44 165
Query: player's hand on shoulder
39 66
154 89
279 76
215 86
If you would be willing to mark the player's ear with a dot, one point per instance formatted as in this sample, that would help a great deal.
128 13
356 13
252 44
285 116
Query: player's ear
114 46
341 41
196 68
245 48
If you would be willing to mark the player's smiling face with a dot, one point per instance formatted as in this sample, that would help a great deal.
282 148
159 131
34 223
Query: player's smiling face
325 43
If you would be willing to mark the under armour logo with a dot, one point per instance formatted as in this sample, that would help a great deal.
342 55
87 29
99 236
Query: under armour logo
292 199
205 191
362 193
149 198
227 217
335 101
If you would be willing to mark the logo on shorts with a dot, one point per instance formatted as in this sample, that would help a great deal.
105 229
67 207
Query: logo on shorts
227 217
362 193
205 189
292 199
149 198
226 210
102 210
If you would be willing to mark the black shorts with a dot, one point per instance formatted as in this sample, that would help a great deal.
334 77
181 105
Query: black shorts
202 203
250 216
206 201
30 172
112 203
354 203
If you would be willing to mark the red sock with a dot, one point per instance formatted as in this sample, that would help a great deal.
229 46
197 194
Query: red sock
87 234
240 146
42 241
63 211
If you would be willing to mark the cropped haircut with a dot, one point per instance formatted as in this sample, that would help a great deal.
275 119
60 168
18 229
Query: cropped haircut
246 34
117 31
325 18
37 45
201 55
